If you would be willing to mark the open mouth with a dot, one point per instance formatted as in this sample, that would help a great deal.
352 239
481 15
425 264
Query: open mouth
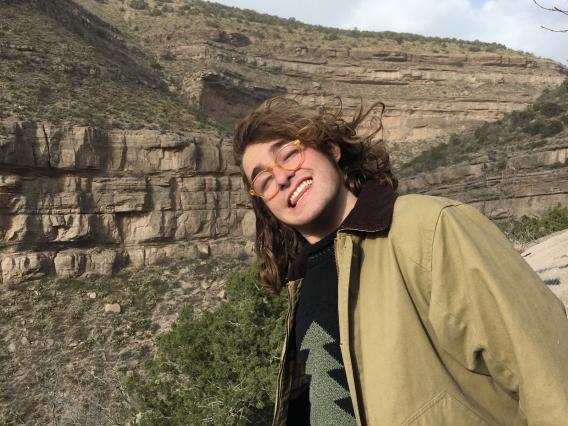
299 192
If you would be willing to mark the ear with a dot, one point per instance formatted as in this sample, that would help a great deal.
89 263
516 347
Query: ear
335 152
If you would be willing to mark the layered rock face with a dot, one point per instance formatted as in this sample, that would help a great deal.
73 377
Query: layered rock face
76 200
428 97
527 184
431 88
80 200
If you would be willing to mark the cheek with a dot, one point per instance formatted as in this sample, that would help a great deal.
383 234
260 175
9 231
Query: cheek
273 206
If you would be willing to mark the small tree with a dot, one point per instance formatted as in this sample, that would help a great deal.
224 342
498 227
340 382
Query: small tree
138 4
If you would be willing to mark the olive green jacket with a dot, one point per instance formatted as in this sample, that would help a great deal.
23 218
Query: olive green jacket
441 321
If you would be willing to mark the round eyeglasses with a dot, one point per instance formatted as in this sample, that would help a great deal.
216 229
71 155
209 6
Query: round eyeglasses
290 158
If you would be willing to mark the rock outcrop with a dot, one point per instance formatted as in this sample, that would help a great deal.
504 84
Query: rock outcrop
428 96
549 258
526 185
431 88
76 200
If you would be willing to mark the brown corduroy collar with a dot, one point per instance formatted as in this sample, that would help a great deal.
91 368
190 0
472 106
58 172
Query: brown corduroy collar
372 213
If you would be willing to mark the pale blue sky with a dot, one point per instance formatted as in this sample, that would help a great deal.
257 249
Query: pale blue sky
478 3
515 23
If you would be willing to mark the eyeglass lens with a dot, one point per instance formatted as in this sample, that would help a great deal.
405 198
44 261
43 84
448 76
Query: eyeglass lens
288 158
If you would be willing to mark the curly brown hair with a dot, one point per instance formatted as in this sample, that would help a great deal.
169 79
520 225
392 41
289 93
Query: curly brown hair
362 158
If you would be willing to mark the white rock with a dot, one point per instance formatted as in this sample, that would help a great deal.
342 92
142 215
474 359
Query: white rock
92 295
12 347
549 258
203 250
113 308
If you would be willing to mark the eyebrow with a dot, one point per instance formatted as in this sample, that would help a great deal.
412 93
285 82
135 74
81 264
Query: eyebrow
257 169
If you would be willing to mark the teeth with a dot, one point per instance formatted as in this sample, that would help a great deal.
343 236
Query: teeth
298 190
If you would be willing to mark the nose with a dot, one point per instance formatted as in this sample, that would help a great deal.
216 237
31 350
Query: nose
282 176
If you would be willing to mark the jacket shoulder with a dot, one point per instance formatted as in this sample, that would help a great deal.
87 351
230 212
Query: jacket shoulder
420 210
414 222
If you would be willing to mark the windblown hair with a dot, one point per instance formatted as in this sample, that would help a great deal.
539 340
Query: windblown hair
362 158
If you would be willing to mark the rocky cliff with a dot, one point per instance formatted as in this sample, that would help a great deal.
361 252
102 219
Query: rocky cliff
225 60
115 150
78 200
88 184
513 167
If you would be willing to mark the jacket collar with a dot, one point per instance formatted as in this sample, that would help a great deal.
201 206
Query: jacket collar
372 213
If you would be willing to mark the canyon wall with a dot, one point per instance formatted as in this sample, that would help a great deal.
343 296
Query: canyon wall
428 96
76 200
79 199
527 184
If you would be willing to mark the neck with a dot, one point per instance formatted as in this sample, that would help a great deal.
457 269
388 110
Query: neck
329 222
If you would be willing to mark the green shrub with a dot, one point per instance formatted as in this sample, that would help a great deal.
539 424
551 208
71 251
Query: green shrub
168 56
528 229
220 368
522 117
534 128
545 128
551 128
549 109
429 159
484 135
138 4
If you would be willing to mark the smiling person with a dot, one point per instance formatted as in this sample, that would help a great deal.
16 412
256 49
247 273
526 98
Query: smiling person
402 309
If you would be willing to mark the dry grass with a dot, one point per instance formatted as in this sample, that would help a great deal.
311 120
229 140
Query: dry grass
51 74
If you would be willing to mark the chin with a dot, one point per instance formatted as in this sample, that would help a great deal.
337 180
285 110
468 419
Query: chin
307 217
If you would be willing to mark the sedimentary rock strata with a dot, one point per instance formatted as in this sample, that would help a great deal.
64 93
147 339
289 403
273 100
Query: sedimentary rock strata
78 200
526 184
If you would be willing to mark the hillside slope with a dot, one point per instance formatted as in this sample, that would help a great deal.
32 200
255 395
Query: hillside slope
225 60
515 166
77 69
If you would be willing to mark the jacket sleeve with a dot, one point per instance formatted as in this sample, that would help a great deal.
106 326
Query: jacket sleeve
491 311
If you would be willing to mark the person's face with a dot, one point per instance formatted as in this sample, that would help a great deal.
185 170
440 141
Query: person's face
306 197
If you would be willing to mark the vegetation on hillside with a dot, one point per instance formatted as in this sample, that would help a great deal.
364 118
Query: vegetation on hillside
216 10
162 16
542 124
218 369
527 229
48 73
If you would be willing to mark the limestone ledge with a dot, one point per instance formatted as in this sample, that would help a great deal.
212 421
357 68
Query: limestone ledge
385 67
527 184
74 148
76 200
16 268
426 96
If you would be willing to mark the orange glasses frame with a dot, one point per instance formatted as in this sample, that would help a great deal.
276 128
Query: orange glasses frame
274 164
